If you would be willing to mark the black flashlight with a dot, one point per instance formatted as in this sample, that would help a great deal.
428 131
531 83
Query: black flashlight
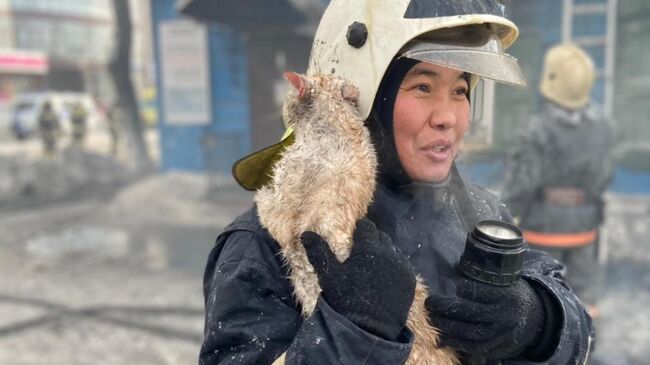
494 253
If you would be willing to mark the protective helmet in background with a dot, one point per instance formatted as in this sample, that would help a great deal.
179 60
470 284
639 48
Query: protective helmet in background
357 40
568 76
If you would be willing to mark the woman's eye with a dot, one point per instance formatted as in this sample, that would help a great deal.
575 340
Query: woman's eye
461 91
423 88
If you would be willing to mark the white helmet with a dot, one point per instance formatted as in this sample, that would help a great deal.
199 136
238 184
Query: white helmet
358 39
568 76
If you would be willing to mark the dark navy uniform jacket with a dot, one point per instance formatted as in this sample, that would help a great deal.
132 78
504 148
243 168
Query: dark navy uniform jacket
252 317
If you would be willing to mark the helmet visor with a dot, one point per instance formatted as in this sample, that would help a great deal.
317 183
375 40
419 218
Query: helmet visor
478 54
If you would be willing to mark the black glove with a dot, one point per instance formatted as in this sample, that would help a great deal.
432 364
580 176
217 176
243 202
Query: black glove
489 321
373 288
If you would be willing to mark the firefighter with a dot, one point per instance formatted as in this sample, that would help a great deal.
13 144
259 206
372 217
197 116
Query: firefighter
79 124
49 128
414 63
560 168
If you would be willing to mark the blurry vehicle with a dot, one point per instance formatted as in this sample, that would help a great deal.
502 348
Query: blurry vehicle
23 116
27 107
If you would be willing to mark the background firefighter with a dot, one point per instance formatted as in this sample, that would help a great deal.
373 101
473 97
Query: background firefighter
79 124
414 63
558 172
49 128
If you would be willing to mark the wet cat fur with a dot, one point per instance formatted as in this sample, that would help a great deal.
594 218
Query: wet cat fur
324 183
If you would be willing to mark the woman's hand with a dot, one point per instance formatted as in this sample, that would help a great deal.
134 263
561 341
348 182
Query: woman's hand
488 321
373 288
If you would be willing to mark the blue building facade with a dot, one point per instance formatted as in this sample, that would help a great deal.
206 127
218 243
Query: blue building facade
221 136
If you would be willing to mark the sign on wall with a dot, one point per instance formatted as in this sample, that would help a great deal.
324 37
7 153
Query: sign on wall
185 72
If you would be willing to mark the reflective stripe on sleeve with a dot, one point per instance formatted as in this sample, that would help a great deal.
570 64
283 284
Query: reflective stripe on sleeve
561 239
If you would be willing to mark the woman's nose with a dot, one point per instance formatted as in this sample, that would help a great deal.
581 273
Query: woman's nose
442 114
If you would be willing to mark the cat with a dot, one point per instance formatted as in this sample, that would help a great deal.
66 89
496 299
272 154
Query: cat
324 182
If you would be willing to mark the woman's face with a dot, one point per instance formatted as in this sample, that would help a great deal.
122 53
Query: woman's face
431 116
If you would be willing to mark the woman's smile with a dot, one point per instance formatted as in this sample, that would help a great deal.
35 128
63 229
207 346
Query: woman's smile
438 151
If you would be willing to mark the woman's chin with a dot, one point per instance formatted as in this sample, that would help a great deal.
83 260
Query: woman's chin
433 175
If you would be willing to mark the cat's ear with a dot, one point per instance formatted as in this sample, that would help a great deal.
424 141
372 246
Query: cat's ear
300 83
350 93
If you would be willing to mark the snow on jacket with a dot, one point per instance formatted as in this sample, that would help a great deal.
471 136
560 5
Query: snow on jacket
252 317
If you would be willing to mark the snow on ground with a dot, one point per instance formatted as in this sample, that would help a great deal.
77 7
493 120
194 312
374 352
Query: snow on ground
114 281
177 198
73 171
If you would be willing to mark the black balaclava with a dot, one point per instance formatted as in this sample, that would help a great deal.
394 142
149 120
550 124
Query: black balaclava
380 123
